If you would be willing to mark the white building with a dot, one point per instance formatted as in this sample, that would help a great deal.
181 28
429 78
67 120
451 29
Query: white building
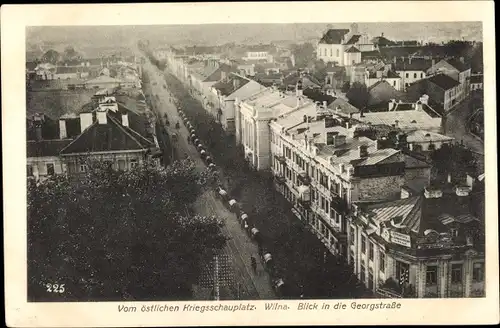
343 46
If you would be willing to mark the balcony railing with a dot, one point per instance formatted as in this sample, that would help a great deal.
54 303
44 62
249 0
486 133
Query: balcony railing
281 159
280 178
339 204
304 203
304 178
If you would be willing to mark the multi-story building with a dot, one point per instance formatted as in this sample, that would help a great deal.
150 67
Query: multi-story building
422 246
411 69
343 46
227 92
457 70
321 165
255 113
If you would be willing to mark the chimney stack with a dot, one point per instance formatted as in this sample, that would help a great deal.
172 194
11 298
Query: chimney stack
325 104
85 121
125 120
62 129
363 151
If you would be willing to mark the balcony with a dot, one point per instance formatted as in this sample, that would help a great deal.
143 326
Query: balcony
304 178
339 204
279 178
304 203
281 159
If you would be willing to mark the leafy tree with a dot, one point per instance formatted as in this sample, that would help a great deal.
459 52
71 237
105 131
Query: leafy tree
304 54
345 87
119 235
70 54
51 56
358 95
454 159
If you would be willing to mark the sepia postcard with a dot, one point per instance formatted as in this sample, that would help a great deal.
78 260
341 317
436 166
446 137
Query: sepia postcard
270 163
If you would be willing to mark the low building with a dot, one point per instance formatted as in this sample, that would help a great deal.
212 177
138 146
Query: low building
105 82
457 70
426 246
45 71
71 72
384 74
381 93
426 141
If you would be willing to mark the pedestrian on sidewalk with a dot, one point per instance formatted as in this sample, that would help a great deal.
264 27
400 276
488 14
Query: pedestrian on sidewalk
253 263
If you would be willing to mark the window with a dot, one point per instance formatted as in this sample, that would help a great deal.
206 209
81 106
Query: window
394 83
133 162
50 169
370 280
327 206
370 251
363 244
422 75
478 272
83 168
337 52
331 53
381 263
353 235
431 275
456 273
407 75
29 170
414 75
432 146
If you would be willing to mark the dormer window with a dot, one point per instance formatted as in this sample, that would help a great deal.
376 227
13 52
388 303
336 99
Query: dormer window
454 232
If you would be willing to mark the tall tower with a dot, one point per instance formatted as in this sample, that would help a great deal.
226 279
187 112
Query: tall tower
298 88
354 29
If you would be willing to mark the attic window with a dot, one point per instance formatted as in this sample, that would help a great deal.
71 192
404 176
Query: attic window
414 121
427 135
454 232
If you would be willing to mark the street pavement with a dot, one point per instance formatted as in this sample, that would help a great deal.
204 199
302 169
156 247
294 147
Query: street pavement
240 248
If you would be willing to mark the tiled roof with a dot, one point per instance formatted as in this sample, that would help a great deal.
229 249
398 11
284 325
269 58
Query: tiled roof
381 92
415 64
249 89
46 148
352 49
340 105
353 39
426 136
228 86
443 81
69 69
460 66
375 54
408 210
334 36
476 79
391 52
108 137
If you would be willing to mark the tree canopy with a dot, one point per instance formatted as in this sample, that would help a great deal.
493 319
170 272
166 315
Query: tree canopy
453 159
51 56
119 235
358 95
304 54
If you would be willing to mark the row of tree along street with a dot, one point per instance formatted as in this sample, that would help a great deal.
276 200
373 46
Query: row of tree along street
301 259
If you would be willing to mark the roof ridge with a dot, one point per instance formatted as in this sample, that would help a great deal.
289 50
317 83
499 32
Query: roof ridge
79 136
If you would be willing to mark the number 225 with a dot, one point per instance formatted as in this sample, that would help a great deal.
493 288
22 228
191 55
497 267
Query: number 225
55 288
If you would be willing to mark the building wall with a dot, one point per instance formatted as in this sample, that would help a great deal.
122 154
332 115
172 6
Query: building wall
417 173
39 166
122 161
331 53
409 77
424 146
101 85
378 188
263 145
351 58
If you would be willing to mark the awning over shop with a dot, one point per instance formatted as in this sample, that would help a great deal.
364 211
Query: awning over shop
244 216
267 257
255 231
232 202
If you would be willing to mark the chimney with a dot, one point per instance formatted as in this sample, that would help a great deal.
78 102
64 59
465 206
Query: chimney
382 34
462 59
325 104
101 116
462 191
339 140
85 121
363 151
379 74
62 129
392 103
448 179
236 83
396 123
125 120
394 59
433 62
379 144
330 138
38 131
409 60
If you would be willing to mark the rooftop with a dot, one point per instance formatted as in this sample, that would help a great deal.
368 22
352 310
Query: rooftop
443 81
414 64
334 36
108 137
409 119
340 105
228 86
352 49
427 136
354 39
459 65
476 79
46 148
